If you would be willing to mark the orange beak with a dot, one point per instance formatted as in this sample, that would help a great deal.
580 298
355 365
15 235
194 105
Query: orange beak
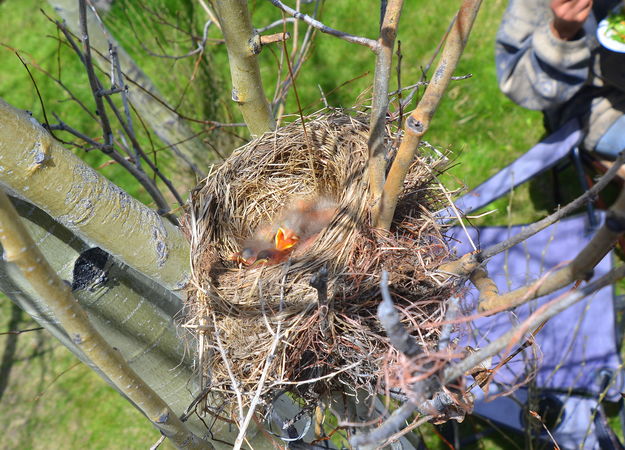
285 239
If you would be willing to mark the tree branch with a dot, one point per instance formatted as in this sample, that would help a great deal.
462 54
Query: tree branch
541 315
21 250
53 178
579 269
400 339
466 264
97 91
418 122
93 81
166 123
379 106
247 86
580 201
373 45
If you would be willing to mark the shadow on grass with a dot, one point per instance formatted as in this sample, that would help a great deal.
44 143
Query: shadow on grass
8 356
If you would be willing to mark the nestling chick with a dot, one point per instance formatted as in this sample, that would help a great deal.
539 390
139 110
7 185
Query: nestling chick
306 218
295 228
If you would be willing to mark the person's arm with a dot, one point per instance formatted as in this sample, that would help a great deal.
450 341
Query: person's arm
542 53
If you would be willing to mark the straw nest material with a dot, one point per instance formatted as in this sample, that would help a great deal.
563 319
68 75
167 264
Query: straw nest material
266 327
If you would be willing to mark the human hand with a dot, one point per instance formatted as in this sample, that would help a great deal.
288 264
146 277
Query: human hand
568 17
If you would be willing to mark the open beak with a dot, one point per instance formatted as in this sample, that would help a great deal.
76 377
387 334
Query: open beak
285 239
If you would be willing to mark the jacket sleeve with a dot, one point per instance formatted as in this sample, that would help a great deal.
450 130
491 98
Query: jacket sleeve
534 68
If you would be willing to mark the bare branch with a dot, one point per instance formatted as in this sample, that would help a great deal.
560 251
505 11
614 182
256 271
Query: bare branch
466 264
373 45
541 315
200 46
379 106
534 228
108 146
391 321
579 269
168 124
247 86
93 81
209 12
20 249
426 69
418 122
20 331
275 24
273 38
486 286
407 100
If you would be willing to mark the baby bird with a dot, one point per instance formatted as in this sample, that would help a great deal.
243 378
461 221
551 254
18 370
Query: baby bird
295 228
305 219
256 253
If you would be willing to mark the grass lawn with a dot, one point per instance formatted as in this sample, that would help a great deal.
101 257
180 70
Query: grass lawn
47 399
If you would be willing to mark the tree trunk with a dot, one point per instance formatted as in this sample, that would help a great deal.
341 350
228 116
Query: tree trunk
130 288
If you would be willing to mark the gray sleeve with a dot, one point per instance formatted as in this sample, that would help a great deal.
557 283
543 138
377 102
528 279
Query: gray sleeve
534 68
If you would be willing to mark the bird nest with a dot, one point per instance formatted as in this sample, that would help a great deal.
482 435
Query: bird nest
306 323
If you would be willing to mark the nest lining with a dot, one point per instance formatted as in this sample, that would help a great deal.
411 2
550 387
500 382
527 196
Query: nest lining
238 311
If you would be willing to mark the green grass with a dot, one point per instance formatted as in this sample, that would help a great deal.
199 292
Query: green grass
50 403
48 399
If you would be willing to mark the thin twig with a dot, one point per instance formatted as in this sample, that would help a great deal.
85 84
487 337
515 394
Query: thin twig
425 83
464 265
117 81
158 443
200 46
43 108
535 227
93 81
373 45
542 314
579 269
275 24
108 146
426 69
20 331
400 112
282 90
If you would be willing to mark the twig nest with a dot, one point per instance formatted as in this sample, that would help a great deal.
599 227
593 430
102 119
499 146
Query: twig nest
266 321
